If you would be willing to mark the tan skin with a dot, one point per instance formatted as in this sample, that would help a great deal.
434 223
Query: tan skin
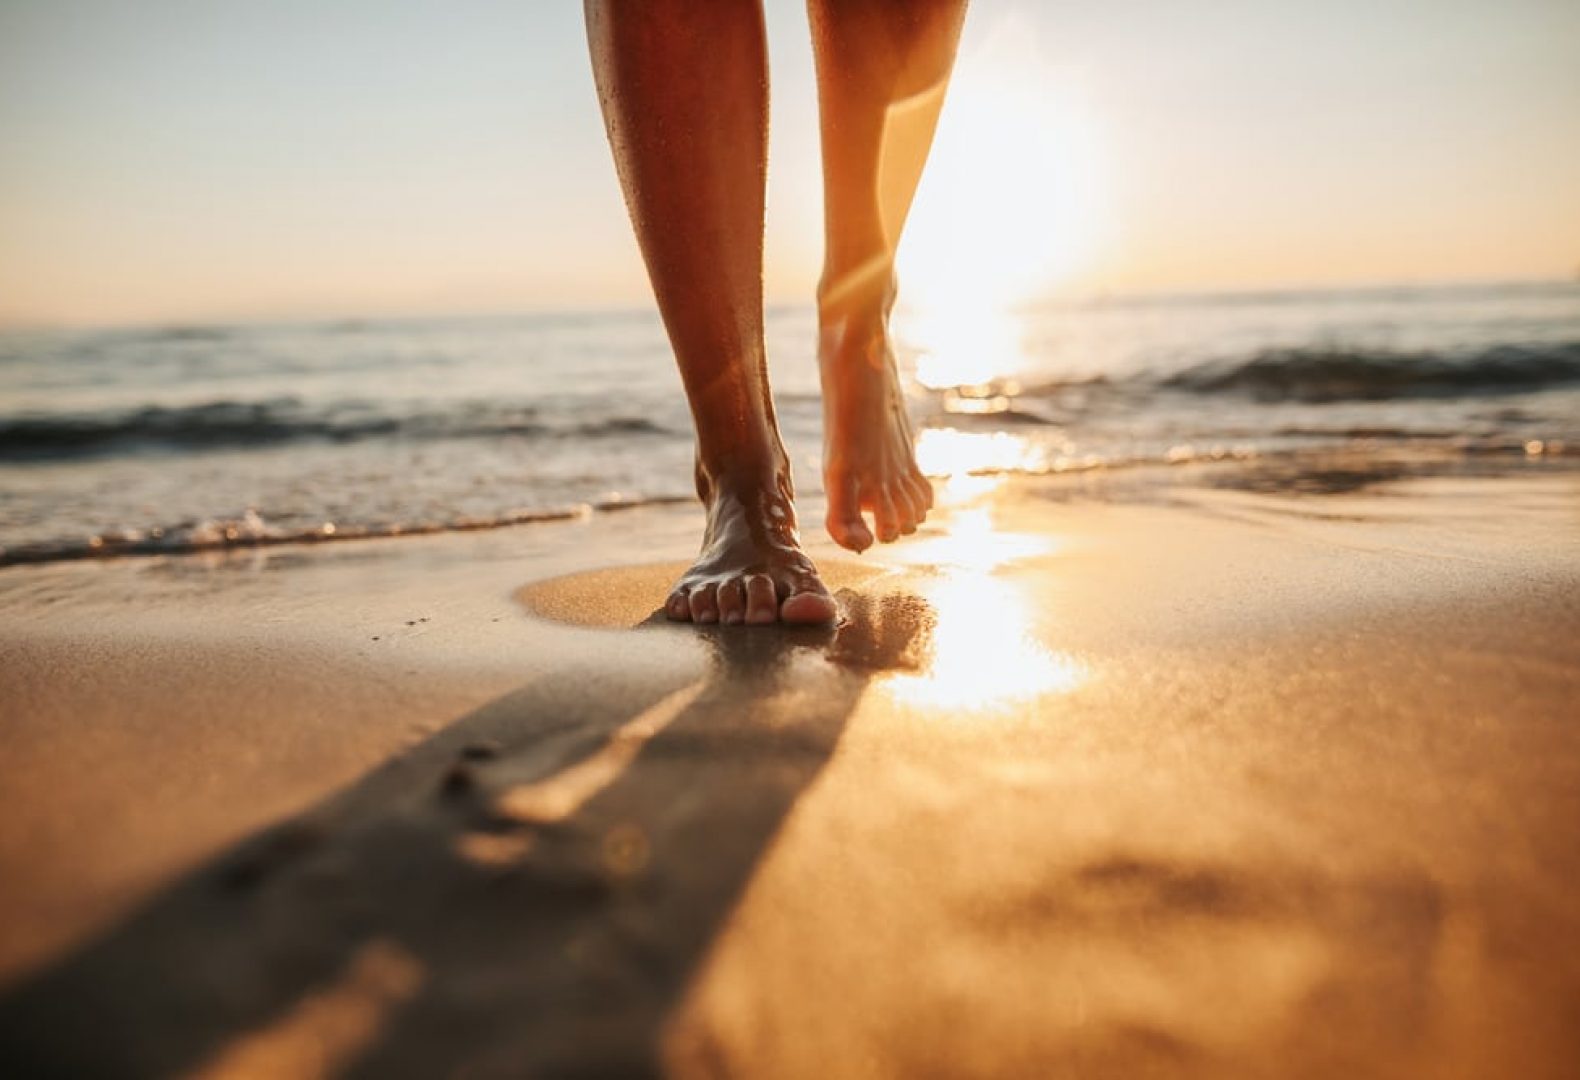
684 90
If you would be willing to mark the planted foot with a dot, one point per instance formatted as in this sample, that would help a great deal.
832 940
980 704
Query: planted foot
752 569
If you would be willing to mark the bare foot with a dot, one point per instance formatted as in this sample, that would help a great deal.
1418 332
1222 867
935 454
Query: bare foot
869 459
752 569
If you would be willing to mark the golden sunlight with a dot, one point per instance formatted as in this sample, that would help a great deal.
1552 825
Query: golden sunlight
960 343
1009 205
973 543
947 452
983 651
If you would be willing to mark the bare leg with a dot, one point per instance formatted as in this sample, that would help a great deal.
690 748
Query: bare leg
684 89
882 68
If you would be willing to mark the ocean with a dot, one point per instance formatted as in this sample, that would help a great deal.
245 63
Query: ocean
197 437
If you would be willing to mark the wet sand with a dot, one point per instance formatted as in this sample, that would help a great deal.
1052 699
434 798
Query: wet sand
1179 776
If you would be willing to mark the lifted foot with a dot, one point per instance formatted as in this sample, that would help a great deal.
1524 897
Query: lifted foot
869 456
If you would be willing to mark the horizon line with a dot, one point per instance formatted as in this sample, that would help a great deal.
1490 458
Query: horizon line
1052 297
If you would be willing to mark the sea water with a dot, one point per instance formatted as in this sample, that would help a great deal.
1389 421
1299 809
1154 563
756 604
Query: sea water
190 437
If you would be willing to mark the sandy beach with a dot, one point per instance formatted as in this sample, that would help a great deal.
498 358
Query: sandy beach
1190 772
809 541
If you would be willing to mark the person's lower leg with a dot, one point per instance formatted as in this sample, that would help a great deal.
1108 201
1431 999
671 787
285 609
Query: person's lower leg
684 91
882 71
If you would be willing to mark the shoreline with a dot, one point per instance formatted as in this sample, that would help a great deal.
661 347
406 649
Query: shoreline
1371 457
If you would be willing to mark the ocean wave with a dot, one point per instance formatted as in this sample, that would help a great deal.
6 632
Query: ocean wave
252 530
240 424
187 333
1336 374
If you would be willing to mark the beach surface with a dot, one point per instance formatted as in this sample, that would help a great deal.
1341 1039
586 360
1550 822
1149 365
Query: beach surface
1204 771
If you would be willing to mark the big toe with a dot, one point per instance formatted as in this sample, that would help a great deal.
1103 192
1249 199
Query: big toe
808 608
850 533
844 523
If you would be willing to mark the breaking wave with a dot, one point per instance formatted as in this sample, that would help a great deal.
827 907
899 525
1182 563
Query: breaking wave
1336 374
235 424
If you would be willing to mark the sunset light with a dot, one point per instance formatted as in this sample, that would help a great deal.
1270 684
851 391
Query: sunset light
1011 206
789 538
1011 202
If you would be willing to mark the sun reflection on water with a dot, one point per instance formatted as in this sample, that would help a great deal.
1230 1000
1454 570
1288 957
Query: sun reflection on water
970 542
965 487
959 342
948 452
983 650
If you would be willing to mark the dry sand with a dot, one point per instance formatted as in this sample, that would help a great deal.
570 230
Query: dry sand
1178 778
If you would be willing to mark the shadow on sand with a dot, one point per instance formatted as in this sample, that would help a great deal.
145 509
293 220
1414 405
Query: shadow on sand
528 892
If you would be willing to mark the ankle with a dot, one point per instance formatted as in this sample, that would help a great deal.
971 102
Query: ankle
744 471
863 295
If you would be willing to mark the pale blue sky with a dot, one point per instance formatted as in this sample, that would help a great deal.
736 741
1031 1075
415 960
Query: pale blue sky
190 159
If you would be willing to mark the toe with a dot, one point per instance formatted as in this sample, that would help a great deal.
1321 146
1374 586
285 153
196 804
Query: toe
925 487
883 513
677 607
762 603
732 603
907 510
809 606
921 497
704 604
844 521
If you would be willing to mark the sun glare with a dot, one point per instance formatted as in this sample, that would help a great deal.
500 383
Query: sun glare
1009 203
984 653
984 649
946 452
1008 209
960 344
972 543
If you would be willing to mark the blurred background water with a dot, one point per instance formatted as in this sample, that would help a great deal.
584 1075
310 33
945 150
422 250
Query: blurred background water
186 437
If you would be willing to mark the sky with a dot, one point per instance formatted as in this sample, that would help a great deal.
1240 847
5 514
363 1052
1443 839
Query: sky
190 160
